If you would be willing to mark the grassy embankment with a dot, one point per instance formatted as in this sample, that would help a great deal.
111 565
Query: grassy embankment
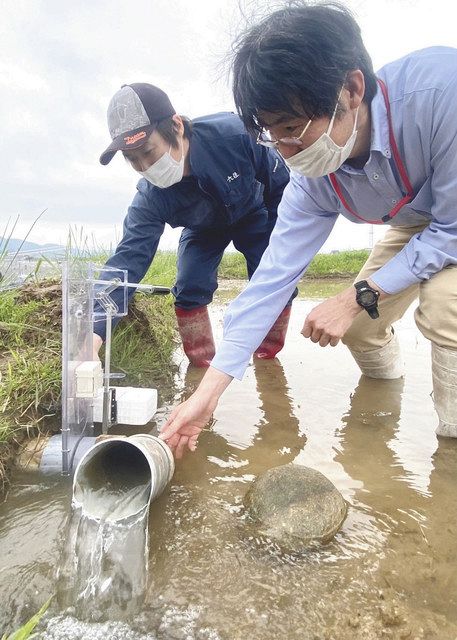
30 338
30 353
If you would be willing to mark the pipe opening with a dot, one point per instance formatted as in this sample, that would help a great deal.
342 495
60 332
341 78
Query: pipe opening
113 481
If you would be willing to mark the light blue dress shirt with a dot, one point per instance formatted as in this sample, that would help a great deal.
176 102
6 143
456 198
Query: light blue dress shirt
423 100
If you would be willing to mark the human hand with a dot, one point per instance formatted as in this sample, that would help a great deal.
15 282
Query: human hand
187 420
327 323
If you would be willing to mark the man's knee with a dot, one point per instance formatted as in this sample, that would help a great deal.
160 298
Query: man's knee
437 311
190 294
366 334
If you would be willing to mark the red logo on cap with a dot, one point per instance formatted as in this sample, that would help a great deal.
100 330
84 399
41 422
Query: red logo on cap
135 138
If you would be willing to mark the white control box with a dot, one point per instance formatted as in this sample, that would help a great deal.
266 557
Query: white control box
89 378
135 406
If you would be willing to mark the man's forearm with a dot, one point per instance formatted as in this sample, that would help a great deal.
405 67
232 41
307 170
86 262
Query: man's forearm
213 383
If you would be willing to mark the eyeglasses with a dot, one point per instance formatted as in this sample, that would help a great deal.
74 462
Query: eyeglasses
266 140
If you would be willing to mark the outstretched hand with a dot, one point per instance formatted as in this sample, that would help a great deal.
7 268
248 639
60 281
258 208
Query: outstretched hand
187 420
185 424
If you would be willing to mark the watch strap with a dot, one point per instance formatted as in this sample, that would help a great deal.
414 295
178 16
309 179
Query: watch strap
371 309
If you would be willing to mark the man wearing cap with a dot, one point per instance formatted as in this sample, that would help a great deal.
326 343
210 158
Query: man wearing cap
207 175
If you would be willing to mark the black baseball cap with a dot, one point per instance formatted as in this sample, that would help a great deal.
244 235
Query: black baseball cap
133 114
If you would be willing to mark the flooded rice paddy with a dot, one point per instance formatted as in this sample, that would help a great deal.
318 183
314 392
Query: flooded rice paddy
389 573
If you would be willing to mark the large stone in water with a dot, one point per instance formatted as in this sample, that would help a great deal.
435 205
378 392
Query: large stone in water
295 506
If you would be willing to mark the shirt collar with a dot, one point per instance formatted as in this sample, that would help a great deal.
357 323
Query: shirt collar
379 125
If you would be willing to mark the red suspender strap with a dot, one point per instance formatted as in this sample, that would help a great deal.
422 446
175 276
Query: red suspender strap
393 143
398 163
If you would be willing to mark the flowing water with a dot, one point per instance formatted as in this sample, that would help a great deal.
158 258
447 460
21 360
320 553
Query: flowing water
102 573
389 573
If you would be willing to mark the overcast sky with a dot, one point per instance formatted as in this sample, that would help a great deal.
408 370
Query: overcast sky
60 63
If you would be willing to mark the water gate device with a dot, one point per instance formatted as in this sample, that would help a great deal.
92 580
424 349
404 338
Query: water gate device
87 392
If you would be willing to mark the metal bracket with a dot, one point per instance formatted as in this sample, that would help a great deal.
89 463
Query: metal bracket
113 407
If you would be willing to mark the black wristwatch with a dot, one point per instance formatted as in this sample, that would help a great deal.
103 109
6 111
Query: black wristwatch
367 298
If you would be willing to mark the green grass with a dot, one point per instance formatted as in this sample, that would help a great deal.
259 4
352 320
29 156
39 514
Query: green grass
14 319
343 263
143 344
31 383
26 631
30 355
161 272
233 266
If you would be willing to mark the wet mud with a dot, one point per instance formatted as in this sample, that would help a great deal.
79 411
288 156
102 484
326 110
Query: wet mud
389 573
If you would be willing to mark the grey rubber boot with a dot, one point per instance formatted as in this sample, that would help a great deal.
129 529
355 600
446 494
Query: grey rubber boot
385 362
444 373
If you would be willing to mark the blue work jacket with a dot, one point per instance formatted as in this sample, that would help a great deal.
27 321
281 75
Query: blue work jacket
231 177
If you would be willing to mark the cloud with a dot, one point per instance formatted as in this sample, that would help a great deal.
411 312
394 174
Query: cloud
61 62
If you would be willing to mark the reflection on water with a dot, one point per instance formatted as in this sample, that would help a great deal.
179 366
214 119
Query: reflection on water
390 572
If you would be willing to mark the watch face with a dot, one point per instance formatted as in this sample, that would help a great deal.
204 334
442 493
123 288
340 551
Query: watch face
367 298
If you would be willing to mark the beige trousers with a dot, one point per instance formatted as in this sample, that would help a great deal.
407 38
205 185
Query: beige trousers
436 314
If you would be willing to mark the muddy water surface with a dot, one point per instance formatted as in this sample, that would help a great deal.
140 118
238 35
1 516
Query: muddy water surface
389 573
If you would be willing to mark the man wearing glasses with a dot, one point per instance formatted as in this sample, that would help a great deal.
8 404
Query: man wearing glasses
379 149
208 176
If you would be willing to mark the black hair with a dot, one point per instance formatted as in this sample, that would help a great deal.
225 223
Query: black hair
296 60
168 131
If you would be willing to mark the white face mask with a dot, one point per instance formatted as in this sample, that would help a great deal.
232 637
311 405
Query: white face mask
165 172
324 156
